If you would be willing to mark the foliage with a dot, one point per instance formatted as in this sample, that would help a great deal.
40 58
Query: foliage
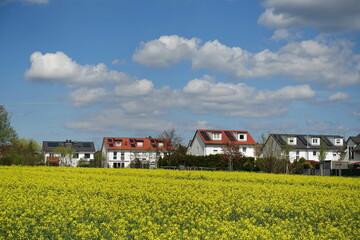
83 163
322 152
22 152
272 164
66 153
90 203
136 163
231 154
298 166
99 160
7 133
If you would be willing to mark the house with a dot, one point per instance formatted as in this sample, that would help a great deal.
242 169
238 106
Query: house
206 142
121 152
82 151
353 149
304 146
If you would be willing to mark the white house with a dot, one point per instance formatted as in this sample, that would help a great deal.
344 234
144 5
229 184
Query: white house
120 152
206 142
304 146
353 149
83 150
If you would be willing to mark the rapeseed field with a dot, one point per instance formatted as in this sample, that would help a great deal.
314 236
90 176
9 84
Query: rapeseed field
83 203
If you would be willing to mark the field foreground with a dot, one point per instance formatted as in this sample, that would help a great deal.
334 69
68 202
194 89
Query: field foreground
79 203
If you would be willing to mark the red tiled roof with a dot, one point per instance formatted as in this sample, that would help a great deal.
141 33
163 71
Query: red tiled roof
137 143
225 137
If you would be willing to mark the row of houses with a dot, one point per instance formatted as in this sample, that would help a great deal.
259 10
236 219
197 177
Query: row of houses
121 152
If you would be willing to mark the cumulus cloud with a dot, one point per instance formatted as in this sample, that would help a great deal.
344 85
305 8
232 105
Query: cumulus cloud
338 96
58 67
139 88
165 51
242 100
330 63
325 15
86 96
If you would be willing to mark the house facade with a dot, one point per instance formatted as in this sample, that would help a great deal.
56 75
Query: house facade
304 146
207 142
121 152
82 151
353 149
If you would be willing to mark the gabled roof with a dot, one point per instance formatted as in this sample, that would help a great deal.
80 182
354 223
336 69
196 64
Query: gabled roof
49 146
116 143
226 137
302 140
355 139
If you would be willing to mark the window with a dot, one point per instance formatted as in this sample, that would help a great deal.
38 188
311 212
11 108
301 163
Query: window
115 156
297 155
242 137
118 143
351 152
216 136
161 144
314 153
244 149
215 150
122 165
87 155
315 141
140 144
122 156
76 155
292 141
116 165
338 141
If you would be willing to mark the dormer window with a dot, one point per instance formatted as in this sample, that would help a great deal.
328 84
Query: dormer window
216 136
338 141
292 140
118 143
140 144
315 141
161 144
242 137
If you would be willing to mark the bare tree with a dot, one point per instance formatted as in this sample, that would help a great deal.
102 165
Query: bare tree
322 156
231 153
172 140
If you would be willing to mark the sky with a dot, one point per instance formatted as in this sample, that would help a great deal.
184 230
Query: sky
88 69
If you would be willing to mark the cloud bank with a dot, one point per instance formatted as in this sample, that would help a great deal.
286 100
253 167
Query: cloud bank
331 63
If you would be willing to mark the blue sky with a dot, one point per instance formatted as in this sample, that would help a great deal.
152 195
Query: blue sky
86 69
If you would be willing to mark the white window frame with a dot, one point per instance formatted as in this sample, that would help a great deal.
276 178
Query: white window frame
140 144
292 140
216 136
315 141
244 137
118 143
161 144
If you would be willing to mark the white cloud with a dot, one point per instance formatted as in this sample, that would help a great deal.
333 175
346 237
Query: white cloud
338 96
36 1
165 51
242 100
117 61
356 113
330 63
325 15
86 96
58 67
139 88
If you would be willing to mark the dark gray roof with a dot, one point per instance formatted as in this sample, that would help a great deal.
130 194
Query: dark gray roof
49 146
301 141
356 139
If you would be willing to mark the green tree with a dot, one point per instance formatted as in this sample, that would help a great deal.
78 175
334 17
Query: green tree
99 160
231 154
22 152
66 153
7 133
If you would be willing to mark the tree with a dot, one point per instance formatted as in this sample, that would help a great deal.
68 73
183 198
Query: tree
22 152
272 158
322 156
174 140
231 153
99 160
66 153
7 133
